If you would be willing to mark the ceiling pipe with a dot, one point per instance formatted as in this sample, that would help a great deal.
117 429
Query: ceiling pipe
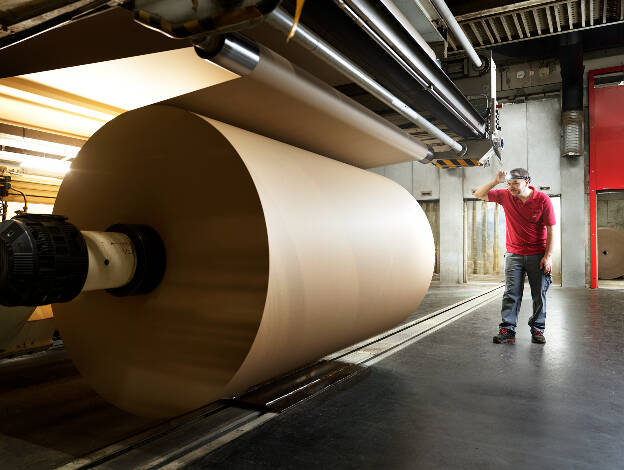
393 39
283 22
411 30
453 25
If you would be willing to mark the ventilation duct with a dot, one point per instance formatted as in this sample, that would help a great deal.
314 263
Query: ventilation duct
571 58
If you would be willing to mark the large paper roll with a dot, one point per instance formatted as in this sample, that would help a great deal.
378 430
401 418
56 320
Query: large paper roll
275 257
610 253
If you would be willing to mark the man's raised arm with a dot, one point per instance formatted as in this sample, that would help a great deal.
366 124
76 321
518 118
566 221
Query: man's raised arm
482 192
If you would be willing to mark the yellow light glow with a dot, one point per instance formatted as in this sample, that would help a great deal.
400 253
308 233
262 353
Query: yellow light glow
48 165
68 151
54 103
133 82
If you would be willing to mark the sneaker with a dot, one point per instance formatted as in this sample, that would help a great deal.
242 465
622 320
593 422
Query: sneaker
537 337
505 336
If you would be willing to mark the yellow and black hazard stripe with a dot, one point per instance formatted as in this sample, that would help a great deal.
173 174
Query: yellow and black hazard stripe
455 163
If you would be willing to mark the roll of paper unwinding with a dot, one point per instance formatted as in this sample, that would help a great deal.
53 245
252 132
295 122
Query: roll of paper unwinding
275 257
281 101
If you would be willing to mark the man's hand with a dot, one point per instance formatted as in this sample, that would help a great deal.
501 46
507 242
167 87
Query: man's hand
500 177
546 264
482 192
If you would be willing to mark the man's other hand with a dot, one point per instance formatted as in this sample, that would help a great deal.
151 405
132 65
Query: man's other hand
546 265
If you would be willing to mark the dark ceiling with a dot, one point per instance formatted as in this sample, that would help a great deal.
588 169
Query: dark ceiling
461 7
604 38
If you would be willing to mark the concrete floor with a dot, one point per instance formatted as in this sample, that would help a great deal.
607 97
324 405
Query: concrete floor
451 400
456 400
442 295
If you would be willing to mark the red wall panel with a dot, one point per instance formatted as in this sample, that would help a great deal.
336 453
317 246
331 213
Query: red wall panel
606 121
606 148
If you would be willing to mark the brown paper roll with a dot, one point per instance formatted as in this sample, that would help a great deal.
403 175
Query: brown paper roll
610 253
275 257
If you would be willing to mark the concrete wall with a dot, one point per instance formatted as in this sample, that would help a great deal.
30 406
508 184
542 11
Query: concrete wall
531 133
451 226
573 229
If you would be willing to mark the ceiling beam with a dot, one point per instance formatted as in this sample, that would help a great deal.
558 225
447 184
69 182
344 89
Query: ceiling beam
526 23
487 31
495 29
506 26
538 23
550 23
518 27
591 12
557 17
476 33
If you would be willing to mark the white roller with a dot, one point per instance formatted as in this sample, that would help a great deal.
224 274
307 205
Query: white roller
112 260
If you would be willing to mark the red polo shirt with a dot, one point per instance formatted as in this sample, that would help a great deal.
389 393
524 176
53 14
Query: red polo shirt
526 222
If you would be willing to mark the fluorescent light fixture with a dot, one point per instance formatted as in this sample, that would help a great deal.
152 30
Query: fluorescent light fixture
55 103
67 151
59 167
47 165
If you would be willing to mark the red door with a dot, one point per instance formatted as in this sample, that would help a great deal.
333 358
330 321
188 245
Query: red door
606 142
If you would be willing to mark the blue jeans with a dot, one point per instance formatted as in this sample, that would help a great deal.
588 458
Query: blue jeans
515 268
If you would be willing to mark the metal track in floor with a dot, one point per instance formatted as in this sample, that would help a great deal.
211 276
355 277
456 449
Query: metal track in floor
181 441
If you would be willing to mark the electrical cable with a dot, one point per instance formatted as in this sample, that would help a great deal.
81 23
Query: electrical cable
24 196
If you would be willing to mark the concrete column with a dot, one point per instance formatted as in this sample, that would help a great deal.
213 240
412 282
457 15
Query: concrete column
572 222
400 173
451 226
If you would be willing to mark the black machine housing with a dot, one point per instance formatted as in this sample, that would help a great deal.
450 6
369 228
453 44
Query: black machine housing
44 259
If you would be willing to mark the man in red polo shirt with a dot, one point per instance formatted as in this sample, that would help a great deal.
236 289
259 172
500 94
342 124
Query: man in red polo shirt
530 218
